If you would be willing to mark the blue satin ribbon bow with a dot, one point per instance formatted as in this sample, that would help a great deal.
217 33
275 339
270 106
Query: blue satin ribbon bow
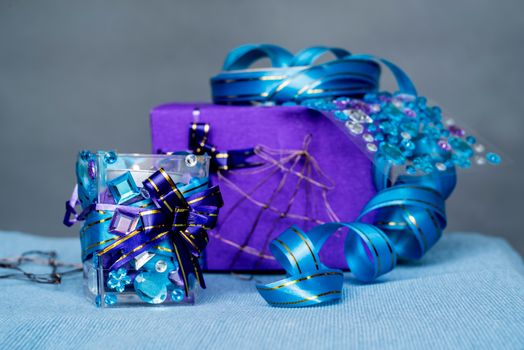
220 160
409 213
182 222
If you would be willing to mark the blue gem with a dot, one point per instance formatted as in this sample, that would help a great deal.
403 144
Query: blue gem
393 154
461 148
411 170
493 158
408 145
151 287
464 163
177 295
118 280
123 188
110 299
110 157
379 136
371 127
340 115
84 155
388 128
471 140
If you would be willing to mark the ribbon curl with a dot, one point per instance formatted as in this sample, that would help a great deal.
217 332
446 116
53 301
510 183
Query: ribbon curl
410 218
409 212
293 79
183 221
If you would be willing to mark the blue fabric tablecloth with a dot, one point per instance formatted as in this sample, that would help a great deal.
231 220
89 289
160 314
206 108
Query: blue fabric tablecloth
467 293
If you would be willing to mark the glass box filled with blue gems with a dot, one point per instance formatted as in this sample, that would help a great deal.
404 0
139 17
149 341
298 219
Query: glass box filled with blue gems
145 225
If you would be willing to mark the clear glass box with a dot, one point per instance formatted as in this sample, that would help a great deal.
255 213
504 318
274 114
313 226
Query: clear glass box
114 181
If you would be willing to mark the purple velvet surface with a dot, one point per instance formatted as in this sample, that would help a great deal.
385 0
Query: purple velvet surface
234 127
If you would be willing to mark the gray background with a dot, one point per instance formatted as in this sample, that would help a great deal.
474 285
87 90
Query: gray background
84 74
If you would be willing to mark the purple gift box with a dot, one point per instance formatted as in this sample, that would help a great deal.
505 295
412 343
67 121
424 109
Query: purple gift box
311 173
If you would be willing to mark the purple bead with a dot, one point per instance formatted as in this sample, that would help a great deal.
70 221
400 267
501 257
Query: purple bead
91 169
410 113
341 104
444 145
455 130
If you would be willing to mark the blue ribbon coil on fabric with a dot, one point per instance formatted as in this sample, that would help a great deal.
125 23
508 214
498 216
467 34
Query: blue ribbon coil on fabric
408 214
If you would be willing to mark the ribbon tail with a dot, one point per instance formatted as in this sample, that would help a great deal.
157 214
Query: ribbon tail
71 216
188 264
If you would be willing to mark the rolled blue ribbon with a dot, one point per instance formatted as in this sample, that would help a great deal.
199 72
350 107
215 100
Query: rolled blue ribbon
409 214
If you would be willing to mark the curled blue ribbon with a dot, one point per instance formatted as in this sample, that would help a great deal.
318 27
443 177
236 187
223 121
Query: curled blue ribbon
293 79
408 214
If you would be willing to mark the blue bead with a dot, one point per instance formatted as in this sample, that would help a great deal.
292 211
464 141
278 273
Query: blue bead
393 140
177 295
471 140
98 300
379 136
371 127
461 148
339 115
110 299
411 170
493 158
393 154
408 145
110 157
85 155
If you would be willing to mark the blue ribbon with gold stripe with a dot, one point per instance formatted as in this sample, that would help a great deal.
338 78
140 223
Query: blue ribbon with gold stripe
408 214
293 79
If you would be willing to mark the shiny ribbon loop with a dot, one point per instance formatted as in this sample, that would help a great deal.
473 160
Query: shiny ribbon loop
184 221
293 79
409 219
220 160
409 212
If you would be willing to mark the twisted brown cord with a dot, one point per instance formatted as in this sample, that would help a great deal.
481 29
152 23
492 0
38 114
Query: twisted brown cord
288 161
37 257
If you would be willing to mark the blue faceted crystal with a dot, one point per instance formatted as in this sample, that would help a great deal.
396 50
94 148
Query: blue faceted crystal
388 128
460 147
493 158
110 299
379 136
410 127
408 145
123 188
371 128
177 295
471 140
110 157
393 154
151 287
411 170
340 115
